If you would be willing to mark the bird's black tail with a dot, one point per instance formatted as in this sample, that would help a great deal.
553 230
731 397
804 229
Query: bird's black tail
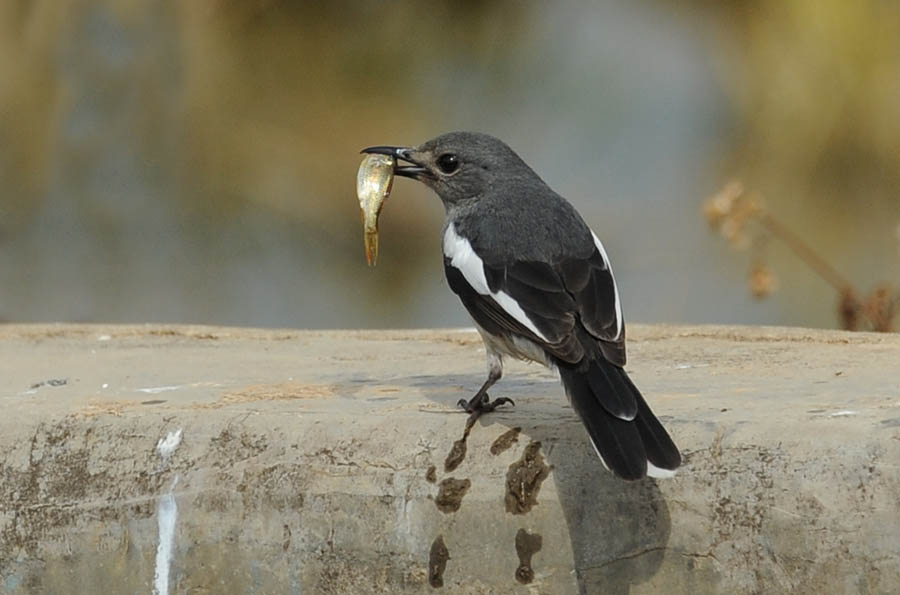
629 439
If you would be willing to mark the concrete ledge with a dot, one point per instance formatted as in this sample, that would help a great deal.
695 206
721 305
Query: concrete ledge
219 460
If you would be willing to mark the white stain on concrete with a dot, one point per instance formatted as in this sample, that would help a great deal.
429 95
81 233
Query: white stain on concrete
166 517
155 390
166 446
844 413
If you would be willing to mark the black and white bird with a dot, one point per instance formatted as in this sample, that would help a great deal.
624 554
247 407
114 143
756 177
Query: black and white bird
539 286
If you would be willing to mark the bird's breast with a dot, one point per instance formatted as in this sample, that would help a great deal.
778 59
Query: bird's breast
515 346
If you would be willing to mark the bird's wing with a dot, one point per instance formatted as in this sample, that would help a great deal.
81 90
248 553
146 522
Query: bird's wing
592 284
541 301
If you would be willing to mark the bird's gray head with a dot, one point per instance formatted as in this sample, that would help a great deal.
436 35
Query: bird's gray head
460 166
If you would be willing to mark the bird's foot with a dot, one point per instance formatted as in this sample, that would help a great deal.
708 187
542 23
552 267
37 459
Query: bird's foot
483 404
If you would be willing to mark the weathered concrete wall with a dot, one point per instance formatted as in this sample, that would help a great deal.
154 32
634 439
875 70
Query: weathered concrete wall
333 462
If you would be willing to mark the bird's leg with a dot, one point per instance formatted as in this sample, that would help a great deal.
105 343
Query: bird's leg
481 402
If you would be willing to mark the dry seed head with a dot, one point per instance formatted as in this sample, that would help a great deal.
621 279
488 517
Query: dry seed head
718 207
752 205
733 231
880 309
849 309
762 281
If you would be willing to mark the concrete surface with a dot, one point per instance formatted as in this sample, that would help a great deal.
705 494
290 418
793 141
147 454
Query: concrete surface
137 459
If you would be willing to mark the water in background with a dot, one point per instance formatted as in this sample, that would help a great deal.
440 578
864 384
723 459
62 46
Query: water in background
195 162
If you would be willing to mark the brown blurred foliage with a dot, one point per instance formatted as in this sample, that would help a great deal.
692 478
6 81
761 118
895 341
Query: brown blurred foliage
271 95
229 114
742 219
233 105
816 88
818 85
30 98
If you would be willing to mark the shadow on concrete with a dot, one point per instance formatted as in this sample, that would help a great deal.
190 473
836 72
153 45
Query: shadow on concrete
618 529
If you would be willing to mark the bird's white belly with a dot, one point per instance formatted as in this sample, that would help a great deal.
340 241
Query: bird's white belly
513 346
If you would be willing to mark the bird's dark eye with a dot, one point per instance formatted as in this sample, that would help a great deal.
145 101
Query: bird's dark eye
448 163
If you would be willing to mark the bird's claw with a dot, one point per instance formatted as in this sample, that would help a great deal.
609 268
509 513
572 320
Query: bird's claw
484 405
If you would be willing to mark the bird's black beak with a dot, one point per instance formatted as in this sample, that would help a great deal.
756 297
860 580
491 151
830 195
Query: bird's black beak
414 171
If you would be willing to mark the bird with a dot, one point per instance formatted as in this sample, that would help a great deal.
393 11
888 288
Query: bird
538 285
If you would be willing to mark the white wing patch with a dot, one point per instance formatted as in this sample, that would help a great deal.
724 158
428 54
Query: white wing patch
463 258
615 287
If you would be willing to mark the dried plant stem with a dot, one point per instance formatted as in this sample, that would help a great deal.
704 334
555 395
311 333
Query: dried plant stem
815 262
804 252
732 208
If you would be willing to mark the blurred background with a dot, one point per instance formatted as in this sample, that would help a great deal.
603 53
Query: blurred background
196 161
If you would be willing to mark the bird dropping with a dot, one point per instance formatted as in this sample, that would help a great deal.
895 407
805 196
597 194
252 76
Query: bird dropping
373 186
